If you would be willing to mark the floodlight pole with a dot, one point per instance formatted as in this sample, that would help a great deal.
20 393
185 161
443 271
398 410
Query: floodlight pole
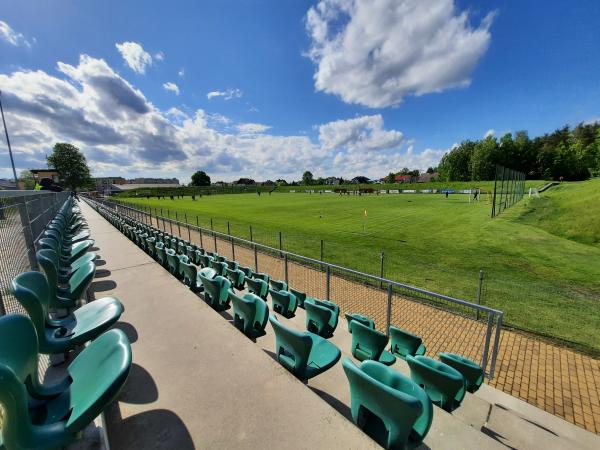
12 161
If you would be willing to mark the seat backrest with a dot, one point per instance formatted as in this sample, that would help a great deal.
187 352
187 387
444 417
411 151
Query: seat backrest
403 342
32 291
48 261
292 346
190 274
279 285
257 286
382 392
245 306
367 343
317 317
285 299
248 272
300 296
217 288
81 279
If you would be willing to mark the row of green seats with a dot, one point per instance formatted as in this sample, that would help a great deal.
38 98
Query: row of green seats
37 415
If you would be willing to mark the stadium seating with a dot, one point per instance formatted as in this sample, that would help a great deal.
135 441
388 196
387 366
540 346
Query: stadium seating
219 266
321 317
304 354
368 343
68 296
250 314
279 285
258 287
387 405
405 343
232 265
68 254
284 303
216 292
359 318
262 276
62 410
444 384
471 371
248 272
237 279
60 335
161 254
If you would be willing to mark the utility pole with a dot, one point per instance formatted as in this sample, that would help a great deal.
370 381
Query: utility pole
12 161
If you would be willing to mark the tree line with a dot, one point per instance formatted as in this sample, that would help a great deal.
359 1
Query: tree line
570 153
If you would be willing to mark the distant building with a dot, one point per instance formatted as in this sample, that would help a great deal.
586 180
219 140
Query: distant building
6 185
38 174
427 177
154 181
405 179
332 181
115 188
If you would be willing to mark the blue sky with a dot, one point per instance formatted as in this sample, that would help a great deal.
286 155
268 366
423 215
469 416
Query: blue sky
339 87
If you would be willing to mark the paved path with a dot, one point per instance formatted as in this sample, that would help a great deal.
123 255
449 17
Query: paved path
558 380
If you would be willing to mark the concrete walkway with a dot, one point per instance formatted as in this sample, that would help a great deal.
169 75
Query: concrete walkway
196 382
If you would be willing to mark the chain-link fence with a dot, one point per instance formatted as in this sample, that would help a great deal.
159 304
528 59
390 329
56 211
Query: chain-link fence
23 218
445 323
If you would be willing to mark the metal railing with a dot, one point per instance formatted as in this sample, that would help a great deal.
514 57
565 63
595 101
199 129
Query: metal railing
23 218
445 323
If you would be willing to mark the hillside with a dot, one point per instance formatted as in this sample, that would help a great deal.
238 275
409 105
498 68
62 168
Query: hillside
570 210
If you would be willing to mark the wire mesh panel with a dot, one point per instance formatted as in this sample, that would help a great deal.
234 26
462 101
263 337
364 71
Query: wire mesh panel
23 218
308 278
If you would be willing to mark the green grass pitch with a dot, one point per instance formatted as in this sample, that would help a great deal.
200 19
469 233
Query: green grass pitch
541 261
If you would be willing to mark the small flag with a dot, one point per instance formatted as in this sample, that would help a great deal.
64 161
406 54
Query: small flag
366 213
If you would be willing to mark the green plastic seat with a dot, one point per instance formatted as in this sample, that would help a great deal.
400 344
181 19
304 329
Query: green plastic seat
389 407
470 370
183 259
161 254
205 260
284 303
150 245
301 297
367 321
250 314
67 254
263 276
279 285
172 261
258 287
237 279
63 409
368 343
219 266
321 317
248 272
405 343
65 296
216 292
61 335
444 384
190 251
232 265
304 354
190 275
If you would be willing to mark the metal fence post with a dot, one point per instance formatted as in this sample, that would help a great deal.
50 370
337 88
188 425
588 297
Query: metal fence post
479 286
27 232
286 268
255 259
171 225
327 283
486 345
496 344
280 245
178 225
215 240
251 238
322 251
389 310
381 271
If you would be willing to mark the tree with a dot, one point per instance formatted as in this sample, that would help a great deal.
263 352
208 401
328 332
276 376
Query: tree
307 178
246 181
71 165
200 179
27 178
391 178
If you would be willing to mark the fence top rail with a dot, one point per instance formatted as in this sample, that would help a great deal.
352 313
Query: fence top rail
456 301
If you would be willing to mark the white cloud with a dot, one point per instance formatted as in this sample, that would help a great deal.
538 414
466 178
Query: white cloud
122 133
159 56
252 128
181 72
360 134
227 94
376 52
490 132
135 56
12 37
169 86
